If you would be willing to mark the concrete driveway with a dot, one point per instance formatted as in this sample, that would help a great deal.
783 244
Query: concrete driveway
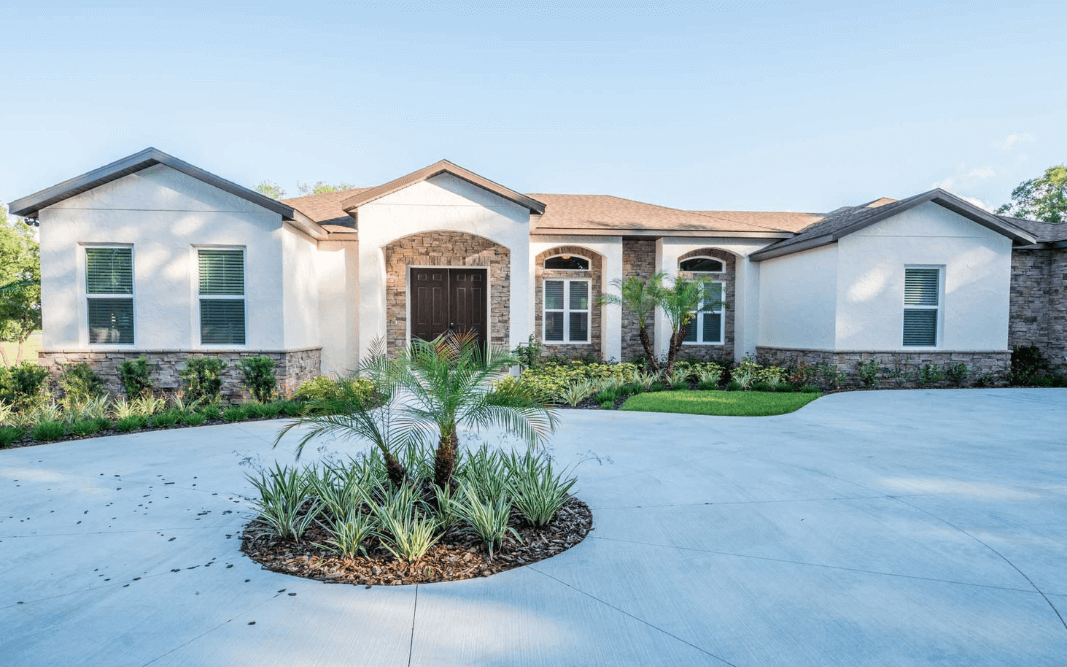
882 528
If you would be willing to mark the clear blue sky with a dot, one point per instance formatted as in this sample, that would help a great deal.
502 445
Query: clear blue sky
730 105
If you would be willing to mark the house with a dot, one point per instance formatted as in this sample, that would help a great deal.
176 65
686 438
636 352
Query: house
153 256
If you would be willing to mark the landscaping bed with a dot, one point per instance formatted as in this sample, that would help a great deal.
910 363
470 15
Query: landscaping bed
458 556
724 403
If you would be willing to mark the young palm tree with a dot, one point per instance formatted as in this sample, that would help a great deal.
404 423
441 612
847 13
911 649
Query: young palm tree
347 416
447 383
680 303
639 296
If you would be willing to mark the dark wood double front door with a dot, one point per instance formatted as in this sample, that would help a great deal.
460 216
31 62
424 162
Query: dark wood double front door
445 300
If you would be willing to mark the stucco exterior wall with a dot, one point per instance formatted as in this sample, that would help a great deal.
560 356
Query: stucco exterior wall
798 300
300 289
443 203
337 265
976 276
163 214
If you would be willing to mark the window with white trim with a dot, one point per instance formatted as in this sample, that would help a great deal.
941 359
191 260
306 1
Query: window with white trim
109 295
707 326
567 263
222 296
566 313
922 306
702 265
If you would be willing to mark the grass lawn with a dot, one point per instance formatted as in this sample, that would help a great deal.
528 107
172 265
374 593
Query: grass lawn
29 349
727 403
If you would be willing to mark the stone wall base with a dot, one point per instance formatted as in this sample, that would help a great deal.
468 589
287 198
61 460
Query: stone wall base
291 367
995 365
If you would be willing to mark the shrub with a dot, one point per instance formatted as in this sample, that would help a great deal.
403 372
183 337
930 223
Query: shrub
81 383
258 374
733 385
657 386
90 409
348 533
1027 363
488 518
831 375
325 390
210 412
811 389
576 393
762 386
23 386
282 494
529 355
9 435
235 414
868 372
165 419
136 377
984 379
83 429
707 386
193 418
537 493
928 374
48 431
485 471
290 408
784 387
262 410
606 397
1041 382
127 424
957 373
710 376
202 378
405 531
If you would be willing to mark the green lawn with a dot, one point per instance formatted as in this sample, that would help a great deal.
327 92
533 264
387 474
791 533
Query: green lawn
727 403
29 349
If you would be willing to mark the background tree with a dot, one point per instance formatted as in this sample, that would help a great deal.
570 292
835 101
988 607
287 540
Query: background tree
639 297
322 187
1042 198
20 283
270 189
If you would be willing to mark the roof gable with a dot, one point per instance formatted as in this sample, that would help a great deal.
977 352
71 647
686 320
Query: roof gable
850 219
31 205
444 166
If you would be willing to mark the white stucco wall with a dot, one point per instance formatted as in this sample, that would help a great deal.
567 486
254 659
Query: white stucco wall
300 289
976 275
338 298
163 214
610 248
441 203
798 300
746 287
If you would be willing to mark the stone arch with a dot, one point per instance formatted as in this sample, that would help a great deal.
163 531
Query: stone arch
594 274
451 249
728 278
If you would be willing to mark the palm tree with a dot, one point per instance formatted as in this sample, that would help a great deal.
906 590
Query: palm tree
640 297
348 416
680 303
447 384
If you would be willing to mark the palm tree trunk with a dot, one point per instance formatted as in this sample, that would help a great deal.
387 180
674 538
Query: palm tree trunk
445 461
394 469
672 352
646 343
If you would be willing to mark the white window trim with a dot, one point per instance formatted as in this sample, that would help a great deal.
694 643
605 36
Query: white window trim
720 310
721 262
85 289
198 334
938 327
568 254
566 310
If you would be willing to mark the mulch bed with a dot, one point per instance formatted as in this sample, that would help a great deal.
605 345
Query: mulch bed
458 555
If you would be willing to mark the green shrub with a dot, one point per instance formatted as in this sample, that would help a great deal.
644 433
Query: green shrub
136 377
762 386
1027 363
831 375
202 378
784 387
81 383
928 374
23 386
868 372
957 373
324 390
707 386
85 428
259 379
210 412
1041 382
1059 381
811 389
657 386
9 435
235 414
262 410
536 492
607 405
348 533
165 419
48 431
127 424
282 494
733 385
193 418
404 529
488 518
606 396
291 408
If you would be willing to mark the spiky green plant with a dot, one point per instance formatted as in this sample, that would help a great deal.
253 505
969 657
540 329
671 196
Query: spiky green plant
535 490
485 472
123 409
6 413
679 379
446 508
709 376
84 428
348 533
638 296
283 491
47 431
405 530
165 419
487 518
147 405
183 405
127 424
50 412
193 418
576 392
235 414
9 435
447 384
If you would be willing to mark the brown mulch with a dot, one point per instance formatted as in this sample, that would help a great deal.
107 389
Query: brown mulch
458 555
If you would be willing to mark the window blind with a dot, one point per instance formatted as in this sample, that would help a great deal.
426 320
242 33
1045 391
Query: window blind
110 321
109 295
222 272
921 287
222 304
922 294
920 327
222 321
109 270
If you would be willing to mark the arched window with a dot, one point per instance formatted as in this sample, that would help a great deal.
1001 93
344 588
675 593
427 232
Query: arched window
567 262
702 265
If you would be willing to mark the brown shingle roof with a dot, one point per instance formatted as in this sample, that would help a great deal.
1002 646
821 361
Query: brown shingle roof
786 221
325 208
601 213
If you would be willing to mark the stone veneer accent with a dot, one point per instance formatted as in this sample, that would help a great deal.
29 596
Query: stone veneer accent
291 367
997 363
595 276
455 249
638 259
1038 311
714 352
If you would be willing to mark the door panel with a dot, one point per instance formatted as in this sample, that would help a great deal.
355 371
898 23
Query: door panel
448 299
429 303
467 308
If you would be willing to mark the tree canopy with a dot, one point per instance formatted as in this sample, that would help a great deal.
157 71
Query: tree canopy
1042 198
20 281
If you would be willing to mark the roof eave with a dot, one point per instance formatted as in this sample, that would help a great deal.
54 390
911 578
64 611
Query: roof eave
810 244
626 231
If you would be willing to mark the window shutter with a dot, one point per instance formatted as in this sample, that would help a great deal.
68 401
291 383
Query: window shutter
109 270
554 295
222 321
222 272
921 287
